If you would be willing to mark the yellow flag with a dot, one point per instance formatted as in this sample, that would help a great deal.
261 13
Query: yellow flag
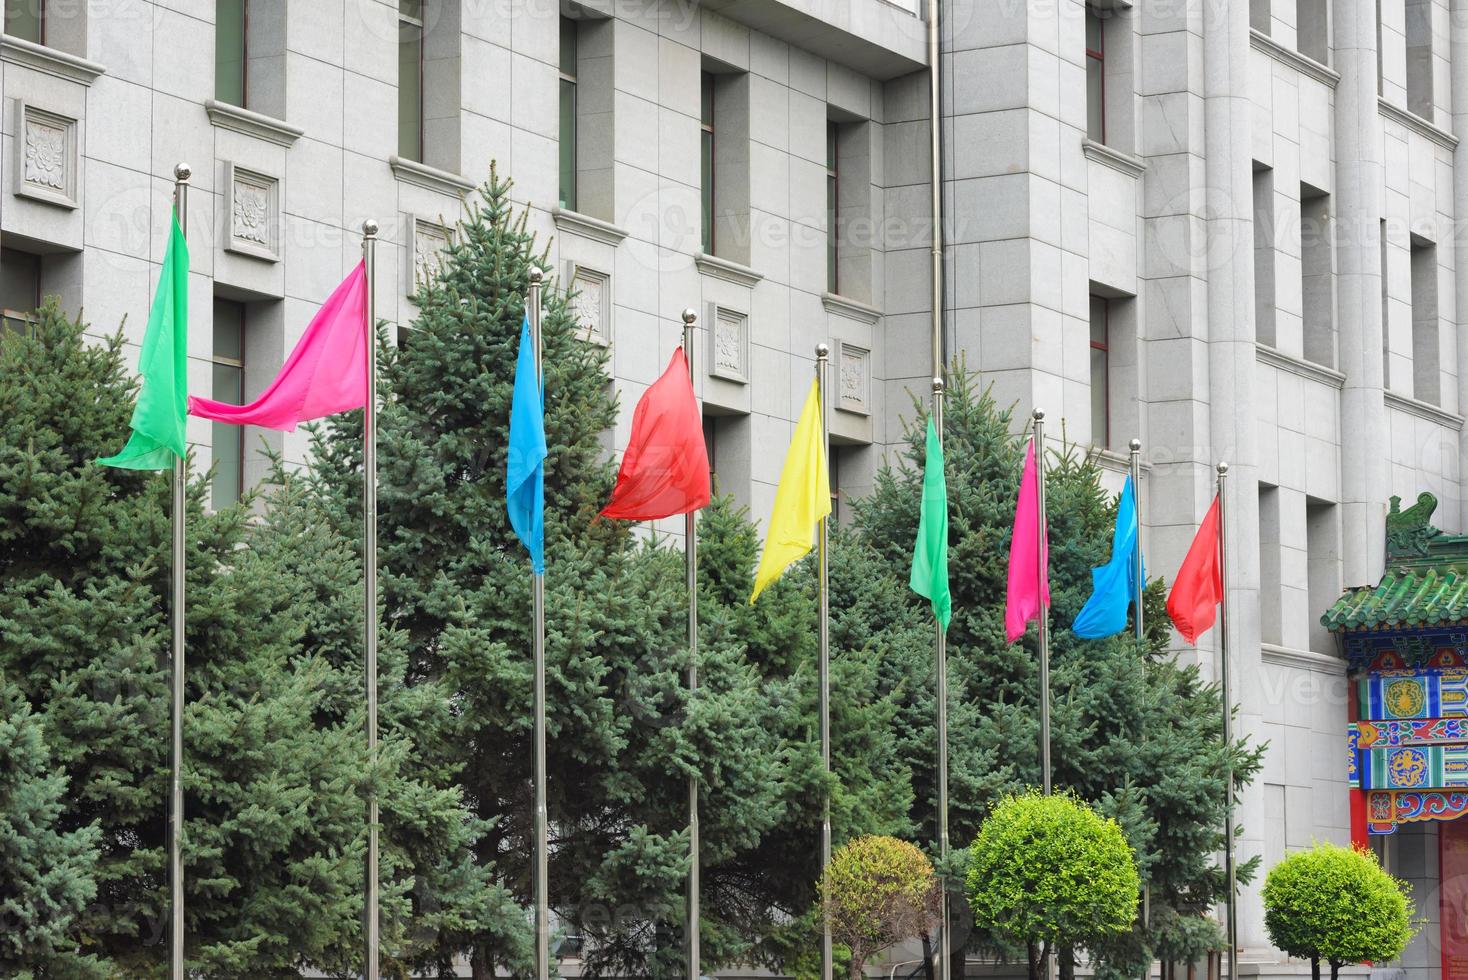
801 500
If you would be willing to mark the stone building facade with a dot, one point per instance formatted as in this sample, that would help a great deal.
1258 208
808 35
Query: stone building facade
1224 228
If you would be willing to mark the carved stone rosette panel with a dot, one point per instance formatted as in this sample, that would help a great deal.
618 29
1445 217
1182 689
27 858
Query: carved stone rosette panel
854 378
46 156
728 356
254 213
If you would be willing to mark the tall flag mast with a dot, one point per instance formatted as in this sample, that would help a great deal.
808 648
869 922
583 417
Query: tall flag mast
690 560
369 556
525 502
157 442
823 490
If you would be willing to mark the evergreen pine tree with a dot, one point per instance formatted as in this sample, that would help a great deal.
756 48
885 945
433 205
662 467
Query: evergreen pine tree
1132 731
46 875
273 813
623 735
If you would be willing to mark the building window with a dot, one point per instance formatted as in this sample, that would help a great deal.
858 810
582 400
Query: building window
1095 77
1312 30
1426 349
20 288
706 148
568 113
1100 373
1323 568
836 454
1271 581
410 79
26 19
230 17
711 446
1419 57
833 188
228 385
1260 16
1317 279
1264 292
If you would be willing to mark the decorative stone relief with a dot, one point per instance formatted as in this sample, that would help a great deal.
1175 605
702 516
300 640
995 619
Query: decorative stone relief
592 303
429 243
854 391
46 166
254 213
728 344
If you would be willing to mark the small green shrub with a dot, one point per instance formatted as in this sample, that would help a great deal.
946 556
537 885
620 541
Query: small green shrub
878 891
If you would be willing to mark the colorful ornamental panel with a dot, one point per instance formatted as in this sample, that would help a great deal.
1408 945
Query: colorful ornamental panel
1390 734
1413 767
1387 809
1414 695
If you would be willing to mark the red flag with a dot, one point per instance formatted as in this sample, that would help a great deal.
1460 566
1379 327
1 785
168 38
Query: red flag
1198 588
665 470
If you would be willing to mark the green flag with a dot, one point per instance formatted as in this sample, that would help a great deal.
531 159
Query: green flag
930 555
158 418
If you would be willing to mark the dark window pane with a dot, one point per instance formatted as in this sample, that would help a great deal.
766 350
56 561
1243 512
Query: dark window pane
1099 380
706 100
23 19
412 9
1098 321
706 191
410 90
568 47
1095 100
568 144
832 233
20 281
229 51
1093 32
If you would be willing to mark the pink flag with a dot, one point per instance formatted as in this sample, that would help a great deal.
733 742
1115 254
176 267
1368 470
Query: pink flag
325 374
1029 561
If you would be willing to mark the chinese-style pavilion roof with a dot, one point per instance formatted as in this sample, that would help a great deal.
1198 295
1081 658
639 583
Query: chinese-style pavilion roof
1423 594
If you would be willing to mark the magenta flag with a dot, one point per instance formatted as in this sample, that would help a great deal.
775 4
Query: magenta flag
325 374
1029 559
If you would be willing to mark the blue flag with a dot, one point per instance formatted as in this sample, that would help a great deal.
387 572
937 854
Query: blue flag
1114 584
525 470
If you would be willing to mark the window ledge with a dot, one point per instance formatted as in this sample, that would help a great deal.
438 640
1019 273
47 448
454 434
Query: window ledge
232 117
850 308
1417 124
576 223
712 265
430 178
28 54
1302 63
1115 462
1265 354
1424 410
1110 156
1280 656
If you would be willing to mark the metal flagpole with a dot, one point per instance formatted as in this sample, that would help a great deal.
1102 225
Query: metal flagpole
372 965
941 952
1135 470
1039 417
542 842
823 360
690 560
181 175
1230 867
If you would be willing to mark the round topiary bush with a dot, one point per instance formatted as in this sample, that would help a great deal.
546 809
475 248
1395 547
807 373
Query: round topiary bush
1048 872
878 891
1336 904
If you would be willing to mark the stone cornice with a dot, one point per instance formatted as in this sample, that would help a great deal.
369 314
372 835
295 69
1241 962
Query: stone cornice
28 54
850 308
1423 410
1417 124
1299 366
740 275
429 178
232 117
1110 156
584 225
1115 462
1273 653
1304 64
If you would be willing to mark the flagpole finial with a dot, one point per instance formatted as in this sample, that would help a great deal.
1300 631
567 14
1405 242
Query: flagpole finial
1223 469
823 351
937 386
1136 445
1038 415
182 172
369 228
536 275
690 316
